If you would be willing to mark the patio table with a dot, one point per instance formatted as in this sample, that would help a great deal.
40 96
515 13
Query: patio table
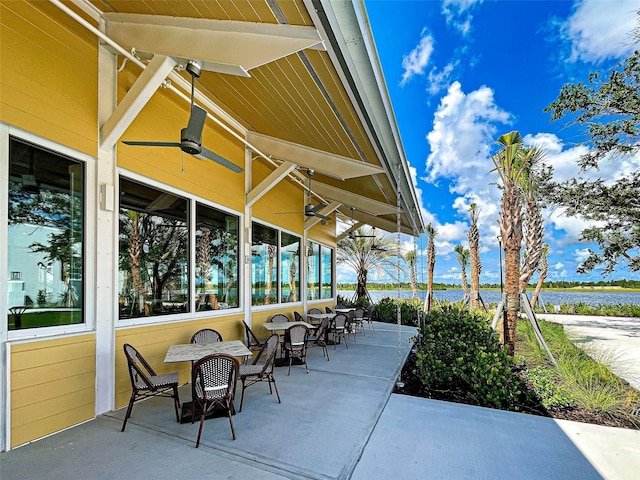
195 351
279 327
191 352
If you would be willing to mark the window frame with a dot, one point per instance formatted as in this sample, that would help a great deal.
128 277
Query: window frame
192 199
278 267
320 299
89 236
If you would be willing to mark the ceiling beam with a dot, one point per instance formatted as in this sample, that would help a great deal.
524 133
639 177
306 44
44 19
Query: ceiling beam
330 164
222 46
269 182
359 202
134 101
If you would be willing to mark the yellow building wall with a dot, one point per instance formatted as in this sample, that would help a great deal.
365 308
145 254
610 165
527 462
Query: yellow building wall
153 341
49 87
52 386
49 75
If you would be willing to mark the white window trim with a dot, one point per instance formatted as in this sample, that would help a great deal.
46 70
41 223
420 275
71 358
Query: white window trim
192 314
90 208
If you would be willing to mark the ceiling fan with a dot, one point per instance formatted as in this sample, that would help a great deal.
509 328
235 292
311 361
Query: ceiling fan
374 247
191 136
352 235
310 210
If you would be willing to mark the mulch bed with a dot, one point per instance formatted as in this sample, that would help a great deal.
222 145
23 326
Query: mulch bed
529 405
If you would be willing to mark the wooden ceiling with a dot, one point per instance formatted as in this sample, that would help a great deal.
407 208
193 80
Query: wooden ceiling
299 98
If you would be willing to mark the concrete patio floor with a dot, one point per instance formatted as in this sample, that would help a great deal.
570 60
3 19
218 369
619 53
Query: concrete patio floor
340 421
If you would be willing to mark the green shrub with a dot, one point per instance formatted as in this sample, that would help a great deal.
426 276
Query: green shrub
547 386
456 352
386 310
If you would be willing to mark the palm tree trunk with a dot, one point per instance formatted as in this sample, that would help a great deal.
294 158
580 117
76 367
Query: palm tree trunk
543 269
474 250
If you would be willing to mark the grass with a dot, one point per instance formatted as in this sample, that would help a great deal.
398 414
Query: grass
583 380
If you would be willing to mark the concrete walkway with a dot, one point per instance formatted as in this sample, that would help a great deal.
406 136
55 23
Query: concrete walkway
338 422
614 341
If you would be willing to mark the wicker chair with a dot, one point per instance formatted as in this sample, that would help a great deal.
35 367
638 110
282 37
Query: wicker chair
320 339
368 316
295 344
253 343
358 320
338 329
261 369
297 317
279 317
206 335
146 383
213 384
328 310
315 310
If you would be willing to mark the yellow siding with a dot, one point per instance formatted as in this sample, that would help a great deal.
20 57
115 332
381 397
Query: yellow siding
153 341
49 75
52 386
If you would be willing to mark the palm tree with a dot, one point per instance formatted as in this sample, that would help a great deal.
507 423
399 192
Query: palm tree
462 254
431 261
364 252
533 223
474 251
512 164
411 257
543 267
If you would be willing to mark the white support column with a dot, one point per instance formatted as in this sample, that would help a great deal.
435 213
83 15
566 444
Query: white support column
245 281
5 418
106 257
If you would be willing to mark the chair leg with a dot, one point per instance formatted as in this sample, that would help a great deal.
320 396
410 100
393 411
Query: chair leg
233 429
176 402
241 396
273 379
129 408
200 429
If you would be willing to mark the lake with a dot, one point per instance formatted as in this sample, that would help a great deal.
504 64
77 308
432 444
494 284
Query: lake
550 298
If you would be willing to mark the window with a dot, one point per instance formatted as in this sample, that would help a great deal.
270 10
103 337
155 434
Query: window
289 268
216 259
264 246
319 271
153 255
326 272
46 243
313 271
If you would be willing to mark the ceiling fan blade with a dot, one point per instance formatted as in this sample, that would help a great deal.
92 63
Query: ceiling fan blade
319 215
320 206
193 132
151 144
207 154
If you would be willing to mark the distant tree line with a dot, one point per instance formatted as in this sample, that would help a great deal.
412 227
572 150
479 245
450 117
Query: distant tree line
485 286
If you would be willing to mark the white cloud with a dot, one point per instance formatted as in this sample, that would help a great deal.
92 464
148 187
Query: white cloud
417 60
439 80
598 30
464 128
581 254
458 13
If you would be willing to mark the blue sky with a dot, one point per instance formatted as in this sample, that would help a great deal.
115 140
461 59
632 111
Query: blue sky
462 72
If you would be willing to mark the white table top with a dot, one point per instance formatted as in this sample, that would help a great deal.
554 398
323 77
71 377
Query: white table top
195 351
344 310
281 326
320 316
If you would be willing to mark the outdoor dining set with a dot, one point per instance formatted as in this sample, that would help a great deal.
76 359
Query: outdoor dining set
215 368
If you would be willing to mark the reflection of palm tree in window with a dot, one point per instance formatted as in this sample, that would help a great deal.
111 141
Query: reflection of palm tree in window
271 250
204 253
292 277
135 255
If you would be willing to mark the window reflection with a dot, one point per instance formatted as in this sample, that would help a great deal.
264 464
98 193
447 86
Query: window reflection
313 271
216 259
326 270
45 238
289 268
153 258
264 246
